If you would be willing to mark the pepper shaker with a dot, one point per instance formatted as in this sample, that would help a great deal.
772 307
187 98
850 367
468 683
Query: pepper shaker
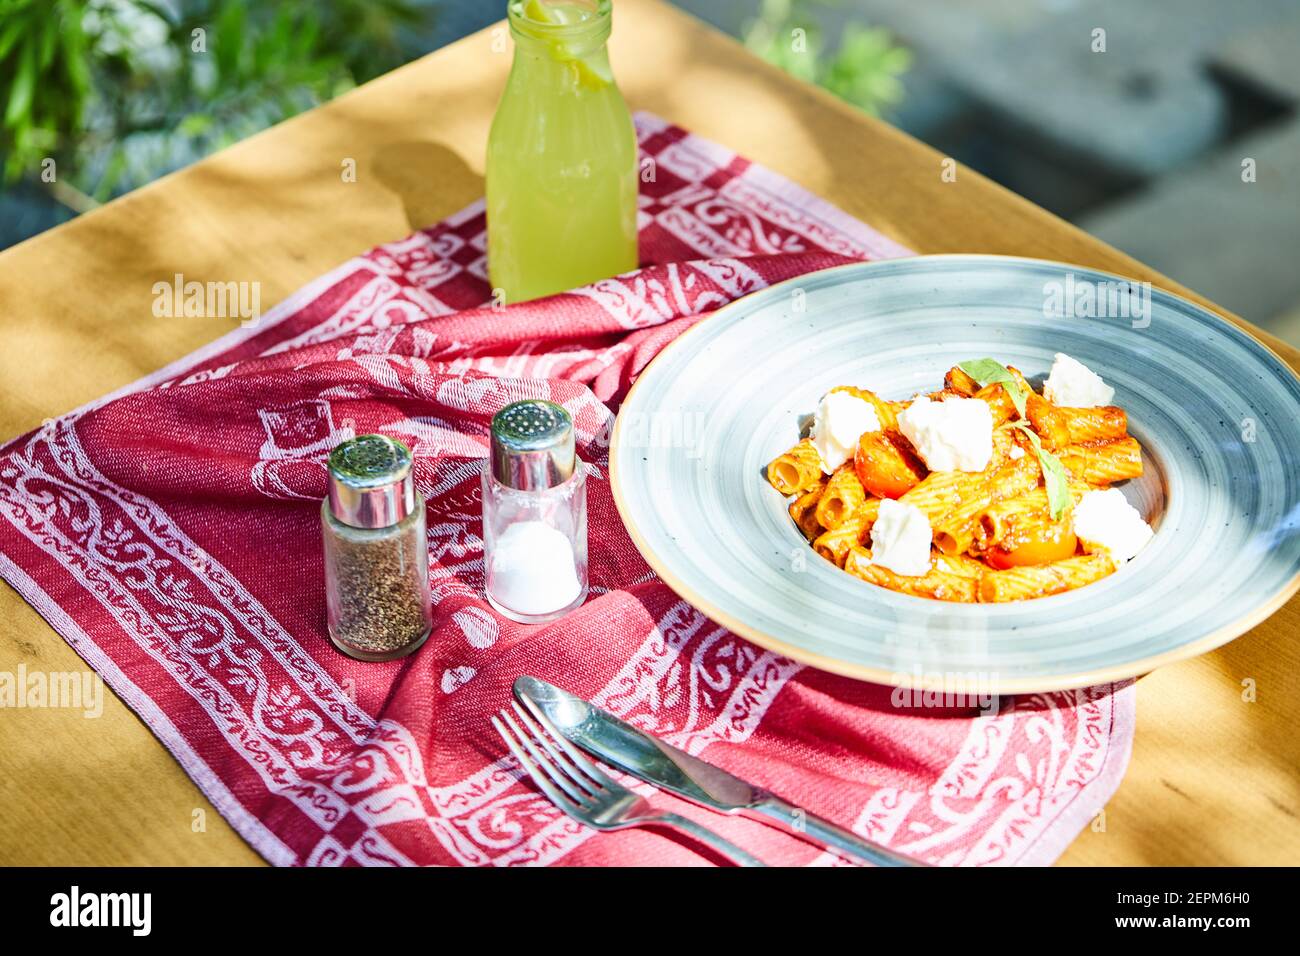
534 514
376 554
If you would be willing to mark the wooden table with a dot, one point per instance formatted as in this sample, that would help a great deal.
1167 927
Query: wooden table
1213 779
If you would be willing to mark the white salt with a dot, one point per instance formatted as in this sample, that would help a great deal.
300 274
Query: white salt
533 570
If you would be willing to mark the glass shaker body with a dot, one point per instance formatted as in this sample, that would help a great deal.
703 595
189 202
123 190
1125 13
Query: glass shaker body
535 548
377 586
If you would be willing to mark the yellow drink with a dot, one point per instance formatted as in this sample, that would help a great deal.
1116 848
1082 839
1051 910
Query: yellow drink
561 159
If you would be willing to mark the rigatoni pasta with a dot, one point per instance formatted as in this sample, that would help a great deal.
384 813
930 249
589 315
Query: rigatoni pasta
803 510
797 470
835 544
1031 581
1101 463
842 496
1059 426
935 583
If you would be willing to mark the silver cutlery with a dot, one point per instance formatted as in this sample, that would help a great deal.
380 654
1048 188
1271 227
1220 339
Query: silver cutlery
583 791
573 720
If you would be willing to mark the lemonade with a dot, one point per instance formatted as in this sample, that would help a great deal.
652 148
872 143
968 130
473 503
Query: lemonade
561 159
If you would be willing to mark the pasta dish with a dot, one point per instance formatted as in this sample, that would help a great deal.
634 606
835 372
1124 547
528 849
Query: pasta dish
983 491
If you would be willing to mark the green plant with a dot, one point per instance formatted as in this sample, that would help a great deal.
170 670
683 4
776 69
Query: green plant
45 66
120 91
864 69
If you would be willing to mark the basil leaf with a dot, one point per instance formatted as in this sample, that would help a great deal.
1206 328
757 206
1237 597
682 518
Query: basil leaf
986 371
1054 477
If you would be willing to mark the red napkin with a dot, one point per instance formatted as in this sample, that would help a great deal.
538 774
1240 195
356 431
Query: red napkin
171 534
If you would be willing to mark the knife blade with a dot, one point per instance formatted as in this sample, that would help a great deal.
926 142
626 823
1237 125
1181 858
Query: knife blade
650 759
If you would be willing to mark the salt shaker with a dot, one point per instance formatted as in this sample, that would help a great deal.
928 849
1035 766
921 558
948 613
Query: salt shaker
376 554
534 514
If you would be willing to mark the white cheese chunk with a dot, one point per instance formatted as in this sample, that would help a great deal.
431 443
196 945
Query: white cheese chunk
842 418
1073 384
952 435
1105 519
1016 453
900 539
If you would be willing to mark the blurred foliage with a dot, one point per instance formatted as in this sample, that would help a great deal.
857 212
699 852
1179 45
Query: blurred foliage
119 92
864 69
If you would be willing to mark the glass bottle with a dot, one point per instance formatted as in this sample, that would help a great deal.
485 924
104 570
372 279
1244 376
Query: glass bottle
534 514
376 553
561 156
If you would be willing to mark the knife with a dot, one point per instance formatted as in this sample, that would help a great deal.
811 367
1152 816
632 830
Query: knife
633 751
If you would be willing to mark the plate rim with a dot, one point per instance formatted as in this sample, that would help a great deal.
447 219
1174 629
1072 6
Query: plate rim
926 682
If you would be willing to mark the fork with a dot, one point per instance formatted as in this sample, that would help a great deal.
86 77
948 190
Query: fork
584 792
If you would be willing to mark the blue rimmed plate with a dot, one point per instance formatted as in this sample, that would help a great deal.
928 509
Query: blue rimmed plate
1217 413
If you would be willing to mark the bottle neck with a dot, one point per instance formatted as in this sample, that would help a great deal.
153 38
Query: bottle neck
573 30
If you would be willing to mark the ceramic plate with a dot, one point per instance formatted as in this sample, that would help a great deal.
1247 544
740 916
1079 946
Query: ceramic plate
1216 411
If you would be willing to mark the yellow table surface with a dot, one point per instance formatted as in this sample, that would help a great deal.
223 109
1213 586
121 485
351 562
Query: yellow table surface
1214 777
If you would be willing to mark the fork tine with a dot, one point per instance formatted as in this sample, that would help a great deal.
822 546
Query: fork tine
559 777
578 756
549 789
574 773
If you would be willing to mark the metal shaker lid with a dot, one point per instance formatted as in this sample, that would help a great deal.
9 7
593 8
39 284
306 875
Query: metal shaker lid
370 482
532 445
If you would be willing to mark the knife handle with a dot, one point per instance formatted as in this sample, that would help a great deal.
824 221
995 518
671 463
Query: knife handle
801 823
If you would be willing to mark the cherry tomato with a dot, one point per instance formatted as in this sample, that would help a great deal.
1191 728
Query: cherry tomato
885 467
1055 544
